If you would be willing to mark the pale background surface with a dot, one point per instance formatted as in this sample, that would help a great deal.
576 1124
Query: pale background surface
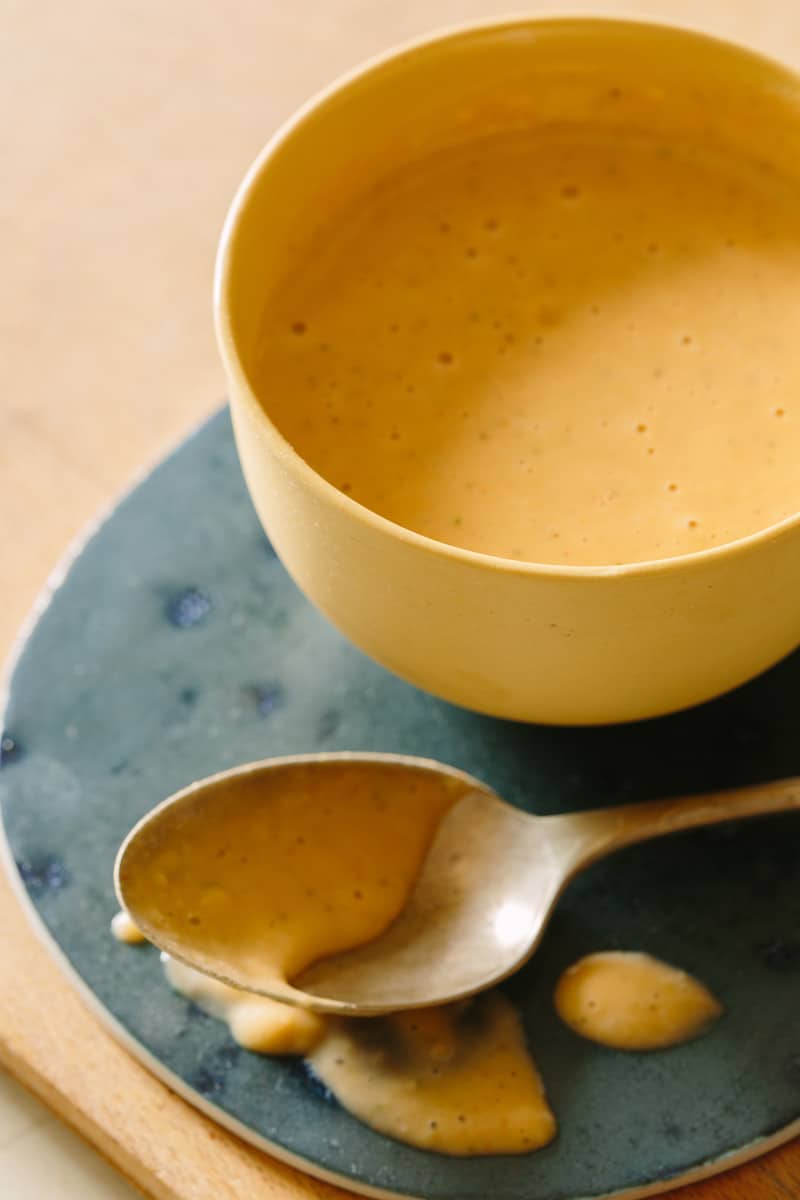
128 127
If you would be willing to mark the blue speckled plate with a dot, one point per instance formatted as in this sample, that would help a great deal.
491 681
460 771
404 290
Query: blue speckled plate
177 646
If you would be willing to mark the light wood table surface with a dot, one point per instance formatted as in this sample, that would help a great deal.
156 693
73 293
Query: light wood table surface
127 126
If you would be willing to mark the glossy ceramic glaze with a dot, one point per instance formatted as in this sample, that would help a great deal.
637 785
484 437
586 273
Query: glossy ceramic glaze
564 645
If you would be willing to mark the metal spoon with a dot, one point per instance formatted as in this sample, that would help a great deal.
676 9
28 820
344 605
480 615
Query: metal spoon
477 911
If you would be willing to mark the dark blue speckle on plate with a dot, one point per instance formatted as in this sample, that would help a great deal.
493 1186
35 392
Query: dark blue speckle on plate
10 750
211 1077
177 646
189 607
267 697
46 874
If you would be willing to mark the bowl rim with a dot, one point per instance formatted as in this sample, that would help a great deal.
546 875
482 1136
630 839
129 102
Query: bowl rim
282 448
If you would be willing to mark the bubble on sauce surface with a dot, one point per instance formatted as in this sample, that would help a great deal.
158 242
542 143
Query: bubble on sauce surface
632 1001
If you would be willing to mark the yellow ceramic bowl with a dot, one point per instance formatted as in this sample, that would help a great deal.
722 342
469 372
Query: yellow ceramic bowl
533 642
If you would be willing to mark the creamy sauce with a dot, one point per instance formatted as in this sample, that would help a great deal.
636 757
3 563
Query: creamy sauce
343 846
256 1022
560 348
457 1079
126 930
633 1002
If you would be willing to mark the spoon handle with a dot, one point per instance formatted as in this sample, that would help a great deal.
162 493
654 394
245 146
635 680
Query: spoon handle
594 834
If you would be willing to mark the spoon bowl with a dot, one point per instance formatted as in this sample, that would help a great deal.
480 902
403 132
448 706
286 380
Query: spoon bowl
361 884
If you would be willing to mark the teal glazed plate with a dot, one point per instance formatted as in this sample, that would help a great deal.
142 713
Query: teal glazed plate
175 645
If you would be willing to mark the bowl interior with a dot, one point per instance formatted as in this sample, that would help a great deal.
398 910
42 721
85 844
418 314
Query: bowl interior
493 78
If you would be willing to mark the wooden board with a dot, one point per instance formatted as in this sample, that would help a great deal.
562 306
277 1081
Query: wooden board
132 124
